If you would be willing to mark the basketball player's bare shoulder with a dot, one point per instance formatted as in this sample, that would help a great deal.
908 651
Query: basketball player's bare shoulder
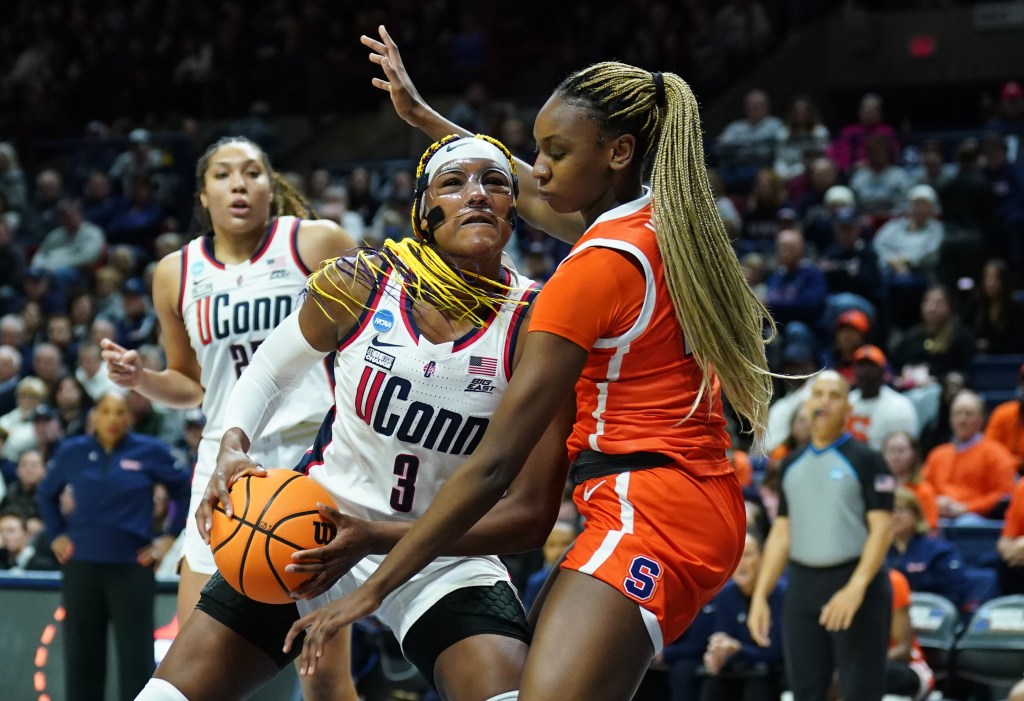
322 239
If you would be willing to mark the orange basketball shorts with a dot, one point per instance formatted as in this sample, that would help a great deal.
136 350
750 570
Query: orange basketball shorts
664 538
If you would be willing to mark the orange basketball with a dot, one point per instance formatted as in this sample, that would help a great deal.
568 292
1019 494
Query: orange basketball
274 516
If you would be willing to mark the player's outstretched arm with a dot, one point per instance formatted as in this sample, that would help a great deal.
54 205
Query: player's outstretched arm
415 111
177 386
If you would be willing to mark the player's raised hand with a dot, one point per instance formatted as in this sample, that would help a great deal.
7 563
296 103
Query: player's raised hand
124 367
232 464
396 81
326 565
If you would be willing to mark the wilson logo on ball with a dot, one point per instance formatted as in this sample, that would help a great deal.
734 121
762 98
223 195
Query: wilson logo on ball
324 533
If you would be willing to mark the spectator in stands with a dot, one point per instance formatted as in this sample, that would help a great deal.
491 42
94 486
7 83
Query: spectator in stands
907 673
761 214
40 215
48 429
139 160
1006 424
21 494
70 248
903 457
995 317
797 290
10 375
967 198
880 184
1005 230
755 272
392 218
99 205
798 361
972 475
48 364
72 404
933 169
853 328
802 132
12 266
878 409
1011 545
30 393
816 214
139 223
935 347
12 178
726 207
13 333
833 532
60 333
849 262
138 324
751 140
82 312
1010 118
849 150
186 446
18 551
930 562
737 667
39 288
558 541
361 197
334 206
107 293
908 252
685 657
91 371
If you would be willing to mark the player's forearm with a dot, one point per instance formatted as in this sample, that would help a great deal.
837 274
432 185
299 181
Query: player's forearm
170 388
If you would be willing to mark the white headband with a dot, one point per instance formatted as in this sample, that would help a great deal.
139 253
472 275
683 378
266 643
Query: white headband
463 149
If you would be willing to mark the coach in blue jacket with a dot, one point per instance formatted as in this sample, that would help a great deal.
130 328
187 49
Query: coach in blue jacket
108 545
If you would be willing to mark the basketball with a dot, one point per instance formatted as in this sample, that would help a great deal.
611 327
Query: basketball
274 516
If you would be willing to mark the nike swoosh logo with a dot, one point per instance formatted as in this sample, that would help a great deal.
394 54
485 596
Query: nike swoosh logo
457 144
588 492
375 341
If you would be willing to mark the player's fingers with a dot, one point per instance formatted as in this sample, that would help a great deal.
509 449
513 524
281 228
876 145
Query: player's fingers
204 520
330 512
295 631
250 468
371 43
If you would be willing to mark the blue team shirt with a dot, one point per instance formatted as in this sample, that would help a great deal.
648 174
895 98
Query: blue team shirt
113 495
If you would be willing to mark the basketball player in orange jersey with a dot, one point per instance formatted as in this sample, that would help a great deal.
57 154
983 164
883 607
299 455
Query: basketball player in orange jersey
648 319
217 299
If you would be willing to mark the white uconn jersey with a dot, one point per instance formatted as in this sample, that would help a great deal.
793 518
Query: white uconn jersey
229 310
409 411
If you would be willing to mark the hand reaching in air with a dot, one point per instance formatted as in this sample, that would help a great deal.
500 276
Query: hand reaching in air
396 82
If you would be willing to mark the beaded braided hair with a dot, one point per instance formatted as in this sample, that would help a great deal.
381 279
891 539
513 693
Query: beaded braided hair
429 275
723 321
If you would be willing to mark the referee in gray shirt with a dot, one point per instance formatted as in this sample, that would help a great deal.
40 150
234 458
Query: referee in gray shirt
833 530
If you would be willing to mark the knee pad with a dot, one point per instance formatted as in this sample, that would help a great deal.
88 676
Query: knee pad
160 690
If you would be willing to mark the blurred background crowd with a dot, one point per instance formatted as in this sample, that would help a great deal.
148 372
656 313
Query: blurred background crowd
885 237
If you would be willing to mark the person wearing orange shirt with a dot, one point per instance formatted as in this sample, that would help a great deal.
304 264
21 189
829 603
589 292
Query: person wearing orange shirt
1011 545
631 326
971 474
907 673
1006 424
901 454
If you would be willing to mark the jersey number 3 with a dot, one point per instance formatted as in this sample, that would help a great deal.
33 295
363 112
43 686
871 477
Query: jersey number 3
404 491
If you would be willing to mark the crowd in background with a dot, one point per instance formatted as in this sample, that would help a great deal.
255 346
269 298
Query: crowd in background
887 255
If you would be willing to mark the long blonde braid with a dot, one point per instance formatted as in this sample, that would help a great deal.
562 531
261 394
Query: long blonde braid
725 325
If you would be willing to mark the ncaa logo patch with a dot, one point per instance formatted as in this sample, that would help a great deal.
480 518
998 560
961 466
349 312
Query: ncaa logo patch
383 320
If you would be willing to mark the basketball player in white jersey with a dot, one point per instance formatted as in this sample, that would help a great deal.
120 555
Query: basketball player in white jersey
426 338
217 299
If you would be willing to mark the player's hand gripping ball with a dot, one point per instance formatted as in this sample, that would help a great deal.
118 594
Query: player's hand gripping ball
273 517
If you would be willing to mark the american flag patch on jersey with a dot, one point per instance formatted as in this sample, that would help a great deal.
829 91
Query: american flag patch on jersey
885 483
276 263
479 365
